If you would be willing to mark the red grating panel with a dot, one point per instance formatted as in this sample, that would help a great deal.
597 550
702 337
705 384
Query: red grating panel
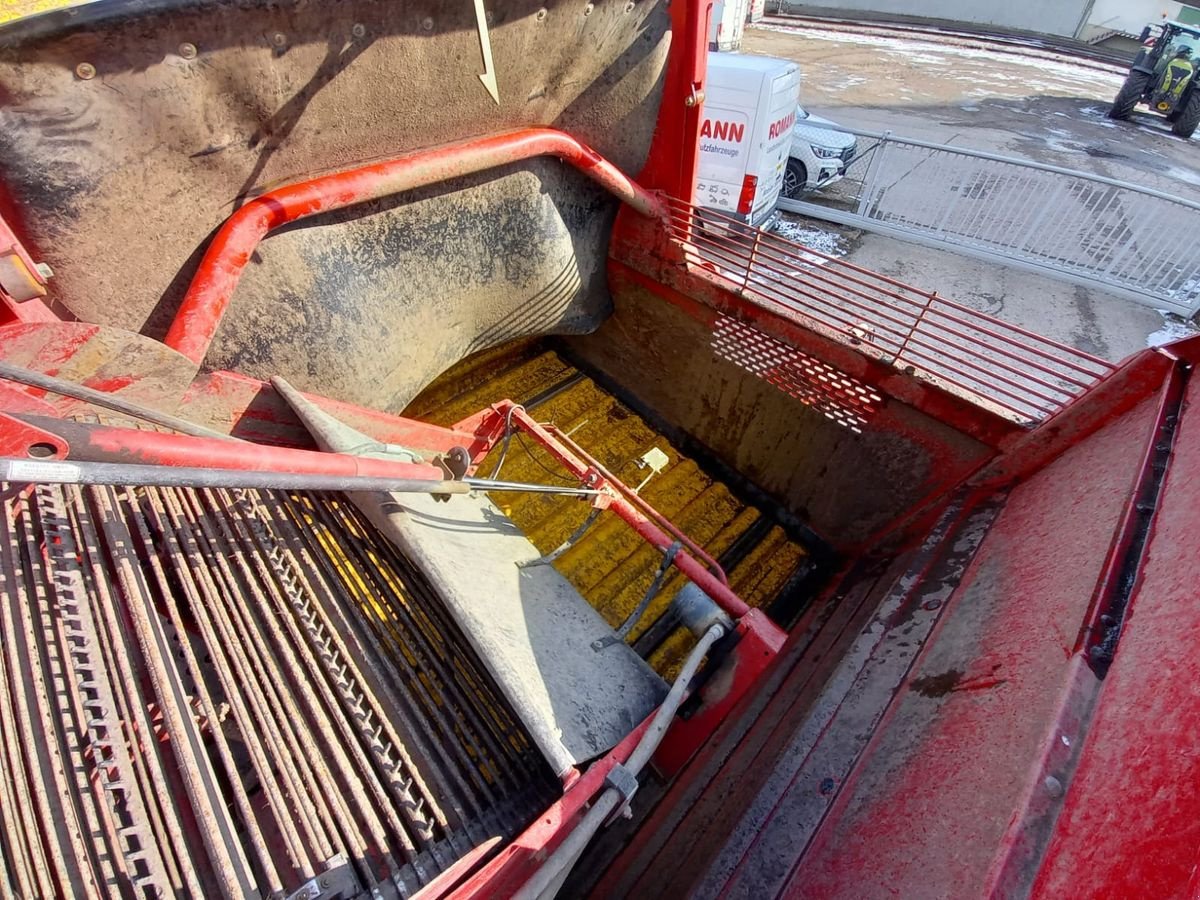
839 397
1022 375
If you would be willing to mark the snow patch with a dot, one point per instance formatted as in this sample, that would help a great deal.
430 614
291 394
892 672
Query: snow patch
1174 328
831 243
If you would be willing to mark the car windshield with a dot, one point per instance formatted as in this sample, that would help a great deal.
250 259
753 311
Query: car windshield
801 112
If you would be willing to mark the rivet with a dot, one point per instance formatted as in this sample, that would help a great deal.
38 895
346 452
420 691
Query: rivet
1053 786
427 23
85 71
541 14
359 30
587 10
187 50
279 39
931 605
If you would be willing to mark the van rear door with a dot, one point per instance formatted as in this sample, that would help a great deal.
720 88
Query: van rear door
782 94
727 142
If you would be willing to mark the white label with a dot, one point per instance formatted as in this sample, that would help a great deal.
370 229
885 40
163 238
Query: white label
45 472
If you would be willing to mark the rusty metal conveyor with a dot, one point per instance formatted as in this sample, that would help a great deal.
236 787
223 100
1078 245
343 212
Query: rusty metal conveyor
237 691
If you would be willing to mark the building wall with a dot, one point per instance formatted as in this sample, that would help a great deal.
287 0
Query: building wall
1061 17
1129 16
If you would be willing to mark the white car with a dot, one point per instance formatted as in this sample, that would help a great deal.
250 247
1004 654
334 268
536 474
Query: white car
819 154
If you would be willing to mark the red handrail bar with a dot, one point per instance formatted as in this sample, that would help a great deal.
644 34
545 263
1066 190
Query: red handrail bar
216 278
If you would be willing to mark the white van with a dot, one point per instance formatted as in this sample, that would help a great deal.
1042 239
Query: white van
746 133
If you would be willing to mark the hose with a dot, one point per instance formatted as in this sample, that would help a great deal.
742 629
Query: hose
549 877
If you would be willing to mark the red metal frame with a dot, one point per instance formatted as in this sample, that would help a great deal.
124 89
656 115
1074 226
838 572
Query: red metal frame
10 245
102 443
675 150
702 571
252 410
216 278
1022 374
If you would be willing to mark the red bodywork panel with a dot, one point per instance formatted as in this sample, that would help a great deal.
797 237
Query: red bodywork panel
944 720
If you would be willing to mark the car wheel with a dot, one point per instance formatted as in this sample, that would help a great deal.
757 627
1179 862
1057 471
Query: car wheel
795 179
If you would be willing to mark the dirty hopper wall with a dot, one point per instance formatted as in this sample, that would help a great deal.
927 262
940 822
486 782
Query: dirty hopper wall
279 92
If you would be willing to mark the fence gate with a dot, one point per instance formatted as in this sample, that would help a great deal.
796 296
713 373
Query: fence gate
1128 240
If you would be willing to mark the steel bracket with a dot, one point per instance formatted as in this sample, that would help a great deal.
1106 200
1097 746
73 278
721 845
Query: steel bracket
336 882
621 779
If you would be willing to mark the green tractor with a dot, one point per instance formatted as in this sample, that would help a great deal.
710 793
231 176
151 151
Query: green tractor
1164 77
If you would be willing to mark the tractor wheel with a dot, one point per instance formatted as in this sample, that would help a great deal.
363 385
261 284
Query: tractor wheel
1129 95
1189 118
795 179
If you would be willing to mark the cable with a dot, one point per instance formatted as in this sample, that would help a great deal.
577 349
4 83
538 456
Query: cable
549 877
556 475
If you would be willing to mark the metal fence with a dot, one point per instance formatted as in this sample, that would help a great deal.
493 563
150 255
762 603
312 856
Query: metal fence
1140 243
1018 374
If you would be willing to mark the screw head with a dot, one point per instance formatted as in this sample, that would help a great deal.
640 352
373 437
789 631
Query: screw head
85 71
541 14
629 7
1054 787
279 39
188 50
587 10
359 30
427 23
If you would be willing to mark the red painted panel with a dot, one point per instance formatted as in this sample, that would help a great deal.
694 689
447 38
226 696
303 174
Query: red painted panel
951 763
1131 823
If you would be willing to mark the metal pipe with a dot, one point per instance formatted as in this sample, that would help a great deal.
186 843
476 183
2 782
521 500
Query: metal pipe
106 401
556 867
103 443
488 484
216 278
708 575
133 475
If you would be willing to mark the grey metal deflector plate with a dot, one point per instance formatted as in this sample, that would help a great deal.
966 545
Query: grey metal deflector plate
530 628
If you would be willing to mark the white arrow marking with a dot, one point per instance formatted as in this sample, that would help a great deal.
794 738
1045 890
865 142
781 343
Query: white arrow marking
485 44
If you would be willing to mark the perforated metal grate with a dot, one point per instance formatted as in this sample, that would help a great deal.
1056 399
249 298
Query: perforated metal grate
839 397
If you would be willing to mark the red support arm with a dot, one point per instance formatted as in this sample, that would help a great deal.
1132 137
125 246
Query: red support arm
216 278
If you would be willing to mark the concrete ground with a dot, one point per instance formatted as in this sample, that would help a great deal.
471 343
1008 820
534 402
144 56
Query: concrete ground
1034 105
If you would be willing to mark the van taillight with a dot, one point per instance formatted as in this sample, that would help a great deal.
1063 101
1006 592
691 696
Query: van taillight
746 201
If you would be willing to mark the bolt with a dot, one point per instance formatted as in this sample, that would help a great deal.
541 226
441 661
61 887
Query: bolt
279 39
1054 787
427 23
85 71
187 51
359 30
541 14
587 10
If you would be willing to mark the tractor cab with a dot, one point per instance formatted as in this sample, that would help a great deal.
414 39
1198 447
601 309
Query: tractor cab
1163 76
